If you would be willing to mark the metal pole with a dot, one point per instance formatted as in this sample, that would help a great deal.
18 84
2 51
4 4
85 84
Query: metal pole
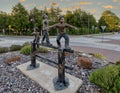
102 37
61 82
88 23
33 64
33 56
61 66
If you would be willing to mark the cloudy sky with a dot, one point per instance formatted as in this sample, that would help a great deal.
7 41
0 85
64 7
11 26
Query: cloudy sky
95 7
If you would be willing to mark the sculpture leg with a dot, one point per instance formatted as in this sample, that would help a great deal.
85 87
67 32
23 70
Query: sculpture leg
38 39
59 36
34 40
66 37
47 38
43 37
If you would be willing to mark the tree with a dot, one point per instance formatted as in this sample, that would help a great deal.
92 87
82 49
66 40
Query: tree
20 18
81 19
36 18
3 18
5 21
109 19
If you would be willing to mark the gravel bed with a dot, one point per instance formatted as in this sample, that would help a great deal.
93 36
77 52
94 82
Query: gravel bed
71 61
13 81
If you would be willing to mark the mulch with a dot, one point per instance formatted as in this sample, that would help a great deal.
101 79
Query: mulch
111 55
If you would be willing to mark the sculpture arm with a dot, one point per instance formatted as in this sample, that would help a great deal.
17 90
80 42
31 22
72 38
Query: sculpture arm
33 33
53 26
68 25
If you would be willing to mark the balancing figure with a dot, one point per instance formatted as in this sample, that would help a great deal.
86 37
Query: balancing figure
61 26
45 29
36 33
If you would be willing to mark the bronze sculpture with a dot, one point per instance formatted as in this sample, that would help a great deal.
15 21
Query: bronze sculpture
60 82
45 30
36 33
61 26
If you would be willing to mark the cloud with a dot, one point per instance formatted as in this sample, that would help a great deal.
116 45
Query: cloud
22 1
48 9
67 9
54 4
67 0
115 0
108 7
40 7
61 0
76 7
30 5
99 3
85 3
93 11
70 8
64 0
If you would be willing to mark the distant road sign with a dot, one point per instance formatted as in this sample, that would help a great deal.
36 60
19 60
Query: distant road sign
103 28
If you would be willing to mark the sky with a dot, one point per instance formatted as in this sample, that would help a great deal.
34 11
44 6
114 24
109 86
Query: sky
95 7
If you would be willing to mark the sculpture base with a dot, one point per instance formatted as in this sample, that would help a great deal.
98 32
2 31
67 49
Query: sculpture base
45 74
49 45
31 67
46 44
60 85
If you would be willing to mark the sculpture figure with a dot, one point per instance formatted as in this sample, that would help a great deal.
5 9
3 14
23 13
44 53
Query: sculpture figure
45 29
61 26
36 33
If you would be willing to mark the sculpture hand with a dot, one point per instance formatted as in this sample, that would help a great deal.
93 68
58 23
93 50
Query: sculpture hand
76 28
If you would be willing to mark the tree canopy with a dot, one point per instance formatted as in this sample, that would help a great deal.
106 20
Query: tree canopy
22 21
110 20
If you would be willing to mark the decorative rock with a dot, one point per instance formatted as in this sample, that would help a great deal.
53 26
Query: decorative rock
84 62
67 53
9 74
13 59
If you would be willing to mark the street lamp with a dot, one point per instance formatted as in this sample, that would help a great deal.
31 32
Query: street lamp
88 21
32 20
103 29
81 20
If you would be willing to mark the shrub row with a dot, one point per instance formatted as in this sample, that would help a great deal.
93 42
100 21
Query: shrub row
108 78
3 49
26 50
12 48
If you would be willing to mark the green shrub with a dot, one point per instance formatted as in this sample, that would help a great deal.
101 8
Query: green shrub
107 78
118 62
27 49
25 44
98 55
15 47
3 49
44 49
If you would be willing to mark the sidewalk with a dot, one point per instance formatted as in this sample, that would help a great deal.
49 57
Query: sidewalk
111 55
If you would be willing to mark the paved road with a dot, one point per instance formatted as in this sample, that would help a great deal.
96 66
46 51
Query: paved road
110 43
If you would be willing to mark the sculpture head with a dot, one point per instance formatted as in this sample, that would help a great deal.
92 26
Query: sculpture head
36 29
61 19
45 16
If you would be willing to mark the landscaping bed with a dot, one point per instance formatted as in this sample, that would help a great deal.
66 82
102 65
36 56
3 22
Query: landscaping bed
12 80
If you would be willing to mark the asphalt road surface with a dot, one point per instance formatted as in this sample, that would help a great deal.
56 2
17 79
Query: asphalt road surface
109 45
